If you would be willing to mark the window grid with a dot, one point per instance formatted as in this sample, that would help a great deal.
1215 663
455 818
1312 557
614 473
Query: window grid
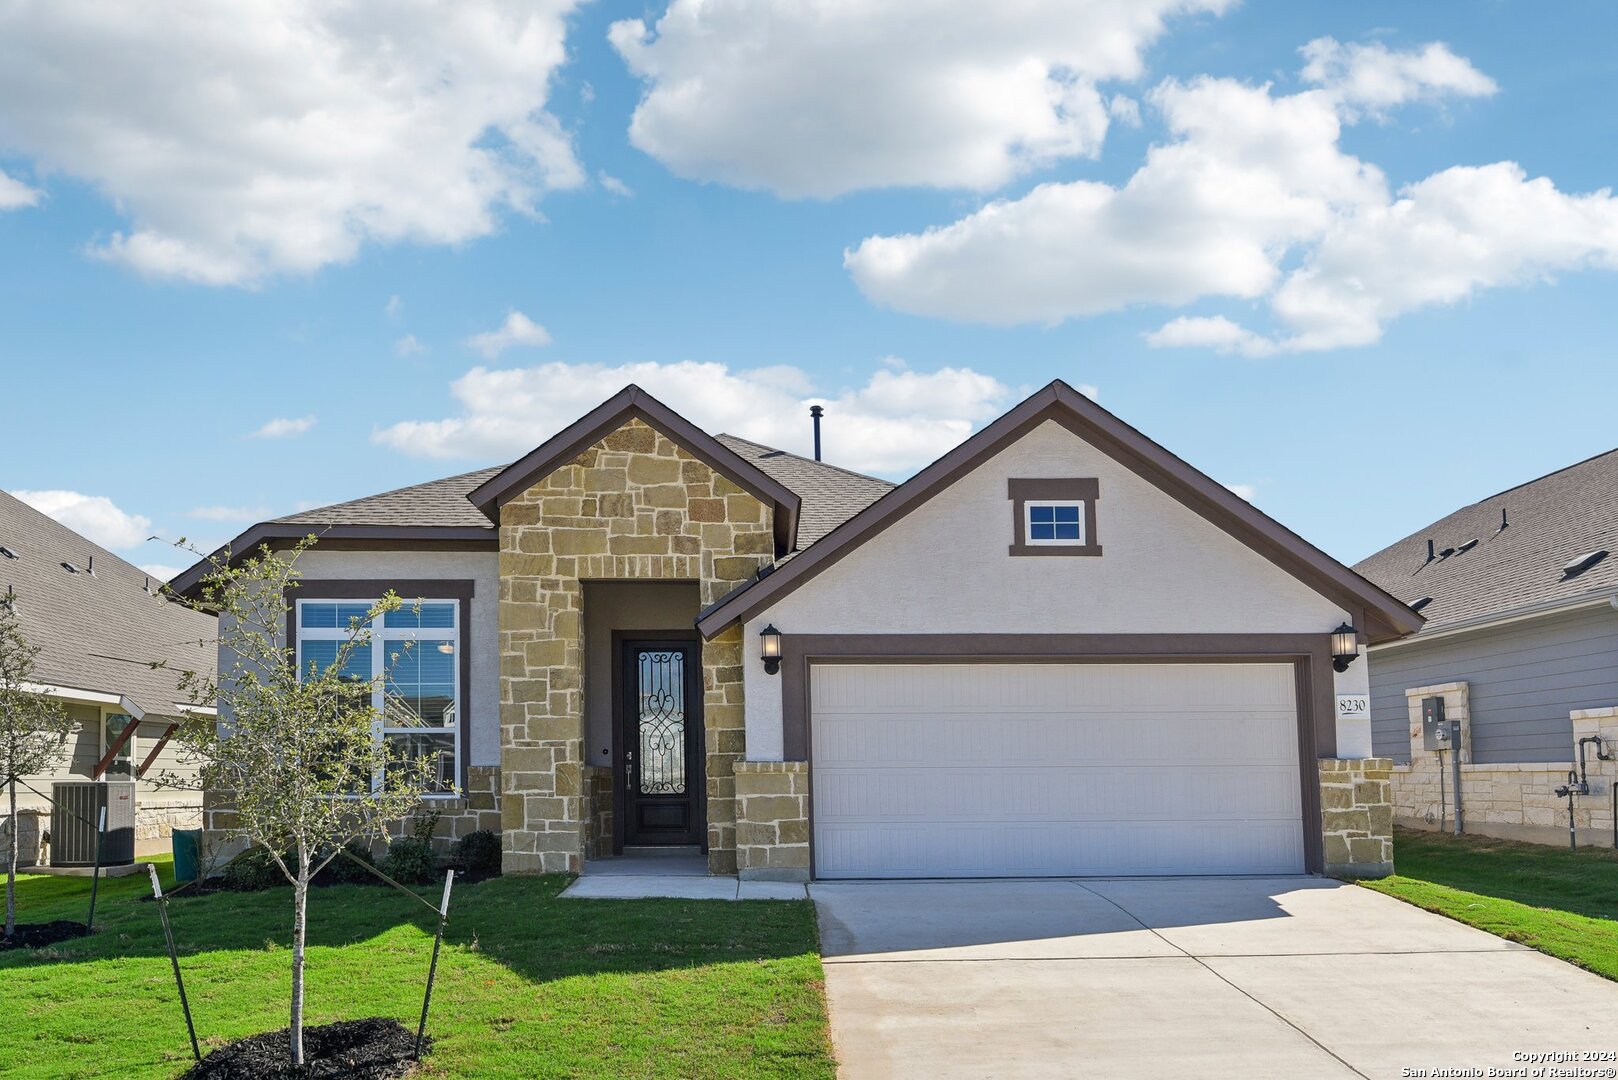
428 673
1054 522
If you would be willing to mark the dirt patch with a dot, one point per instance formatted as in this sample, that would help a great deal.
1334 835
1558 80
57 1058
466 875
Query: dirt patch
371 1049
39 935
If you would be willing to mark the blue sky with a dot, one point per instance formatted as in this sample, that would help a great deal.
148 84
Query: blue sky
1359 357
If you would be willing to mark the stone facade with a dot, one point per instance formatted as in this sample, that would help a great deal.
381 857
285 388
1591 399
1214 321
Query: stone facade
478 809
1513 801
772 820
1356 816
635 506
597 812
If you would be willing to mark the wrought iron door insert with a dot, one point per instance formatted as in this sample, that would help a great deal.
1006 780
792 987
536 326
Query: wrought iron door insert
661 769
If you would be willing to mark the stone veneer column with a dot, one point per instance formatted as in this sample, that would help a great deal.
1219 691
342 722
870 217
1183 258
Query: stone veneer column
772 822
1356 816
633 507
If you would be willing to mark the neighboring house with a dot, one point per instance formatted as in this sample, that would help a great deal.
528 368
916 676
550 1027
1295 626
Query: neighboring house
1057 650
1521 644
100 624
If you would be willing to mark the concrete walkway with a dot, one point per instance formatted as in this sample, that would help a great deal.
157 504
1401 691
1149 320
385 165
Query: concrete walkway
671 874
1184 977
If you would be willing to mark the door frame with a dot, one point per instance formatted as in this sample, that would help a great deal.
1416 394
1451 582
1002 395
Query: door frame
1308 654
697 778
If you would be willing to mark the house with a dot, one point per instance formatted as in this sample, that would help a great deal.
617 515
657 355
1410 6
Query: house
100 623
1057 650
1520 646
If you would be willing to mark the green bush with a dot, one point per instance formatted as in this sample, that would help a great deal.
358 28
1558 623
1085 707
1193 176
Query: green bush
344 870
253 870
479 853
410 860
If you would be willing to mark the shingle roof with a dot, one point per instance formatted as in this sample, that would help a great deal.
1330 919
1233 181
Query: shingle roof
97 631
830 495
437 502
1553 521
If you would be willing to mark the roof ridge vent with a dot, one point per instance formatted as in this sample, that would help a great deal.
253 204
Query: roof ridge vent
1583 563
1468 546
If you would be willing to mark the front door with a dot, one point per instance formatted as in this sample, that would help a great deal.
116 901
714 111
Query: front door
661 771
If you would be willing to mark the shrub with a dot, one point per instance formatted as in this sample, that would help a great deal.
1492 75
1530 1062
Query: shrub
346 871
254 870
479 853
410 861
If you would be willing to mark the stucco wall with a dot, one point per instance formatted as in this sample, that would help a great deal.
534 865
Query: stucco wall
623 605
483 569
945 568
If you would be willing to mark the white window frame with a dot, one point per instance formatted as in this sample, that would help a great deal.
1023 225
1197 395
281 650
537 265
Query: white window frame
129 746
380 637
1028 523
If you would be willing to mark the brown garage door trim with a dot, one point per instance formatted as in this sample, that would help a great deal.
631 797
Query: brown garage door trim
1309 654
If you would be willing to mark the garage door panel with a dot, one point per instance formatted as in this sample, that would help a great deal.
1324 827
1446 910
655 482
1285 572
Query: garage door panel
962 795
928 770
1067 737
1051 850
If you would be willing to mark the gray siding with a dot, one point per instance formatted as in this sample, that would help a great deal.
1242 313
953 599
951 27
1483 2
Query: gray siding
1524 680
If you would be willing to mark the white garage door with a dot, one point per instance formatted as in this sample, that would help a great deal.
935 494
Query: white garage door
1011 770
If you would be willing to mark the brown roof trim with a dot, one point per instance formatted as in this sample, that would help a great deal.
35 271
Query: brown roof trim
609 416
1387 617
435 537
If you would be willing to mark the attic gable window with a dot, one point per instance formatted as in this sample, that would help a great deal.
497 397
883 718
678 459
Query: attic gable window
1055 516
1053 523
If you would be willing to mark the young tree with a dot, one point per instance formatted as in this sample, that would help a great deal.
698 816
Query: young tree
33 728
295 754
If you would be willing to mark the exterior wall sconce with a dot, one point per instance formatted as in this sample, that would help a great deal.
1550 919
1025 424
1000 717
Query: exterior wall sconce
1345 646
769 640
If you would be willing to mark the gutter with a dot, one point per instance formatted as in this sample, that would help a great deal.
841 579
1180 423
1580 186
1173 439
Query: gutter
89 697
1503 618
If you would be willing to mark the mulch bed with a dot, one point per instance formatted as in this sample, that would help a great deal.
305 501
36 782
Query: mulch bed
370 1049
39 935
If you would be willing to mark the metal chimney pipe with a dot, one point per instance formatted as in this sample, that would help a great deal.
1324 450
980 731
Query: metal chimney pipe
815 413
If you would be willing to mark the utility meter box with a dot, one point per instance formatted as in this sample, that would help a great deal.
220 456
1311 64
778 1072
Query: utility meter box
1436 732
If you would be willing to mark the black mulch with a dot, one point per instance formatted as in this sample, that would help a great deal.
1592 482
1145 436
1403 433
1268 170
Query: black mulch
371 1049
39 935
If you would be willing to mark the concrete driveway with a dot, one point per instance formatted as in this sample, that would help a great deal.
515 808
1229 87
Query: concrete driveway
1185 977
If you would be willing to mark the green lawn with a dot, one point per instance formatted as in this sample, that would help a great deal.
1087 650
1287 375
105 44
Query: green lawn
1558 901
527 985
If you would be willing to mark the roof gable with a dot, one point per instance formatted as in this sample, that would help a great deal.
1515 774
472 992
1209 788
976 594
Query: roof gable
1384 616
634 403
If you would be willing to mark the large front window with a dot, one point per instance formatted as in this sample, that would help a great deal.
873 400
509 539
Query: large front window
413 660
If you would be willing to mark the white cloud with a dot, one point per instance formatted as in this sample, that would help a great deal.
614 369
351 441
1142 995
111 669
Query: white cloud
161 571
1209 332
284 428
247 139
229 513
1125 110
1246 491
1253 198
1377 78
898 420
409 345
614 186
517 330
14 194
394 306
824 96
94 517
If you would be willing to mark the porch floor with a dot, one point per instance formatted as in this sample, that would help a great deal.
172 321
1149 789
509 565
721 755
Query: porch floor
677 873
